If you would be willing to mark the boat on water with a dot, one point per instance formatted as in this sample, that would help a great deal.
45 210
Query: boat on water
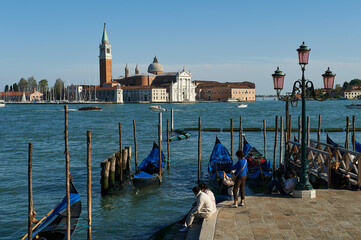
2 103
53 225
91 108
182 135
353 106
232 100
259 169
242 105
219 162
148 170
157 108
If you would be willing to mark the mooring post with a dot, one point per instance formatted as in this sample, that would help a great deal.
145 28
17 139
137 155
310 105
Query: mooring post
30 191
199 149
68 226
120 161
319 129
289 127
281 140
160 123
168 151
127 158
231 138
112 160
299 129
172 119
265 138
240 143
275 148
347 132
308 131
353 133
89 184
160 150
135 147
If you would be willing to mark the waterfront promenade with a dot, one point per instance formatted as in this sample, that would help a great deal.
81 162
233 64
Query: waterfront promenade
333 214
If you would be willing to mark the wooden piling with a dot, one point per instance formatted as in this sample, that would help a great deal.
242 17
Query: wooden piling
120 161
287 121
289 127
30 191
161 124
231 138
199 149
308 131
240 143
299 129
68 226
105 166
168 151
172 119
281 140
319 129
135 147
347 132
112 170
275 147
353 133
160 150
125 156
265 138
89 185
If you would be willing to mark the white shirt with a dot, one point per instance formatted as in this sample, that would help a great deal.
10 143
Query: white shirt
211 196
290 185
204 204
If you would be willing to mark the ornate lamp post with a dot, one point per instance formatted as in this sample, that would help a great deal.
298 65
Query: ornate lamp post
305 87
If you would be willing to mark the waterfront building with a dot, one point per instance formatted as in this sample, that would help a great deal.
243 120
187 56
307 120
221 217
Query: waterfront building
216 91
144 94
353 93
18 96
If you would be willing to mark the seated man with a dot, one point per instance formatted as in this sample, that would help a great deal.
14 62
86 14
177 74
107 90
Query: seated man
203 209
338 179
284 187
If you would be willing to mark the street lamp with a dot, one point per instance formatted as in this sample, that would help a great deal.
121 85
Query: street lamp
305 88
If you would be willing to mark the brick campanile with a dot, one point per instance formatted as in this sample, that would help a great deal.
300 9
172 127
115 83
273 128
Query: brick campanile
105 59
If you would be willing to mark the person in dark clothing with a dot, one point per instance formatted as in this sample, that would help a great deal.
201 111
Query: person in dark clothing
338 179
241 176
284 187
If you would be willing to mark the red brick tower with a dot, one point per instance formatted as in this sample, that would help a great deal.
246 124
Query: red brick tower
105 60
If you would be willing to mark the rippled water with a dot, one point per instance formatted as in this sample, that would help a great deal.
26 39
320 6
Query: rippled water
127 214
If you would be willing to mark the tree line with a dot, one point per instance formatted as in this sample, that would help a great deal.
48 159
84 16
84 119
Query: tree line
43 86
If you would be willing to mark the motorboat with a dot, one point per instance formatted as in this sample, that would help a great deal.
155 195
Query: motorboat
354 106
242 105
2 103
157 108
232 100
91 108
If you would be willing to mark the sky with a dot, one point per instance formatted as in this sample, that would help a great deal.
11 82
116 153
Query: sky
225 41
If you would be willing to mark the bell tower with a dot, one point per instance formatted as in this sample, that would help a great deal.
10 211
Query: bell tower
105 59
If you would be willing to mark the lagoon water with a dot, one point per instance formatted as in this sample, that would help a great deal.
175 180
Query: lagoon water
127 214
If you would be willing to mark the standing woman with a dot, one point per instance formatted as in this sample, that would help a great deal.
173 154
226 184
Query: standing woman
241 176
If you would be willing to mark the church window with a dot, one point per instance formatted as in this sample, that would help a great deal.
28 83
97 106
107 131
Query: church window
108 50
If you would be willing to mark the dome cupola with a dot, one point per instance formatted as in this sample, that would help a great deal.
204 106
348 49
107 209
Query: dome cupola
155 67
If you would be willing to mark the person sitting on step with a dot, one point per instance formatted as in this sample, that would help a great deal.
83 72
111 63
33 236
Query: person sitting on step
338 179
203 209
284 187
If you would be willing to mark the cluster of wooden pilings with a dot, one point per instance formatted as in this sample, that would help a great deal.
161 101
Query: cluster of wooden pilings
114 168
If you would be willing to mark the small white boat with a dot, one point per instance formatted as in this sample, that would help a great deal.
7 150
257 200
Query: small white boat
157 108
232 100
242 105
2 103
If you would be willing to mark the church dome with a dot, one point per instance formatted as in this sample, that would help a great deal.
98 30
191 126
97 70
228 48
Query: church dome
155 67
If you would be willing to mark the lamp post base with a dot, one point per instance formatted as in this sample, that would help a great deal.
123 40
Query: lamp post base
305 193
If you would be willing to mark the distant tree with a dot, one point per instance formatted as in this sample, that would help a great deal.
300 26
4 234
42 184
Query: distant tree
32 83
58 88
355 82
15 87
338 88
346 85
23 85
43 85
6 88
11 88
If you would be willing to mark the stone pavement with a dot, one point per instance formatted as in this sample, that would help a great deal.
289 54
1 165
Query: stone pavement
333 214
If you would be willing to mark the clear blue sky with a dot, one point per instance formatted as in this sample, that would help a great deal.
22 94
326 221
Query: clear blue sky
216 40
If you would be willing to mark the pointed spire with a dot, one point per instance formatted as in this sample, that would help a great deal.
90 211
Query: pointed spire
155 60
136 69
105 36
126 71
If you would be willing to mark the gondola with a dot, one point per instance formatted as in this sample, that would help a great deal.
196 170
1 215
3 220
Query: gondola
148 170
53 226
219 161
259 169
331 142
